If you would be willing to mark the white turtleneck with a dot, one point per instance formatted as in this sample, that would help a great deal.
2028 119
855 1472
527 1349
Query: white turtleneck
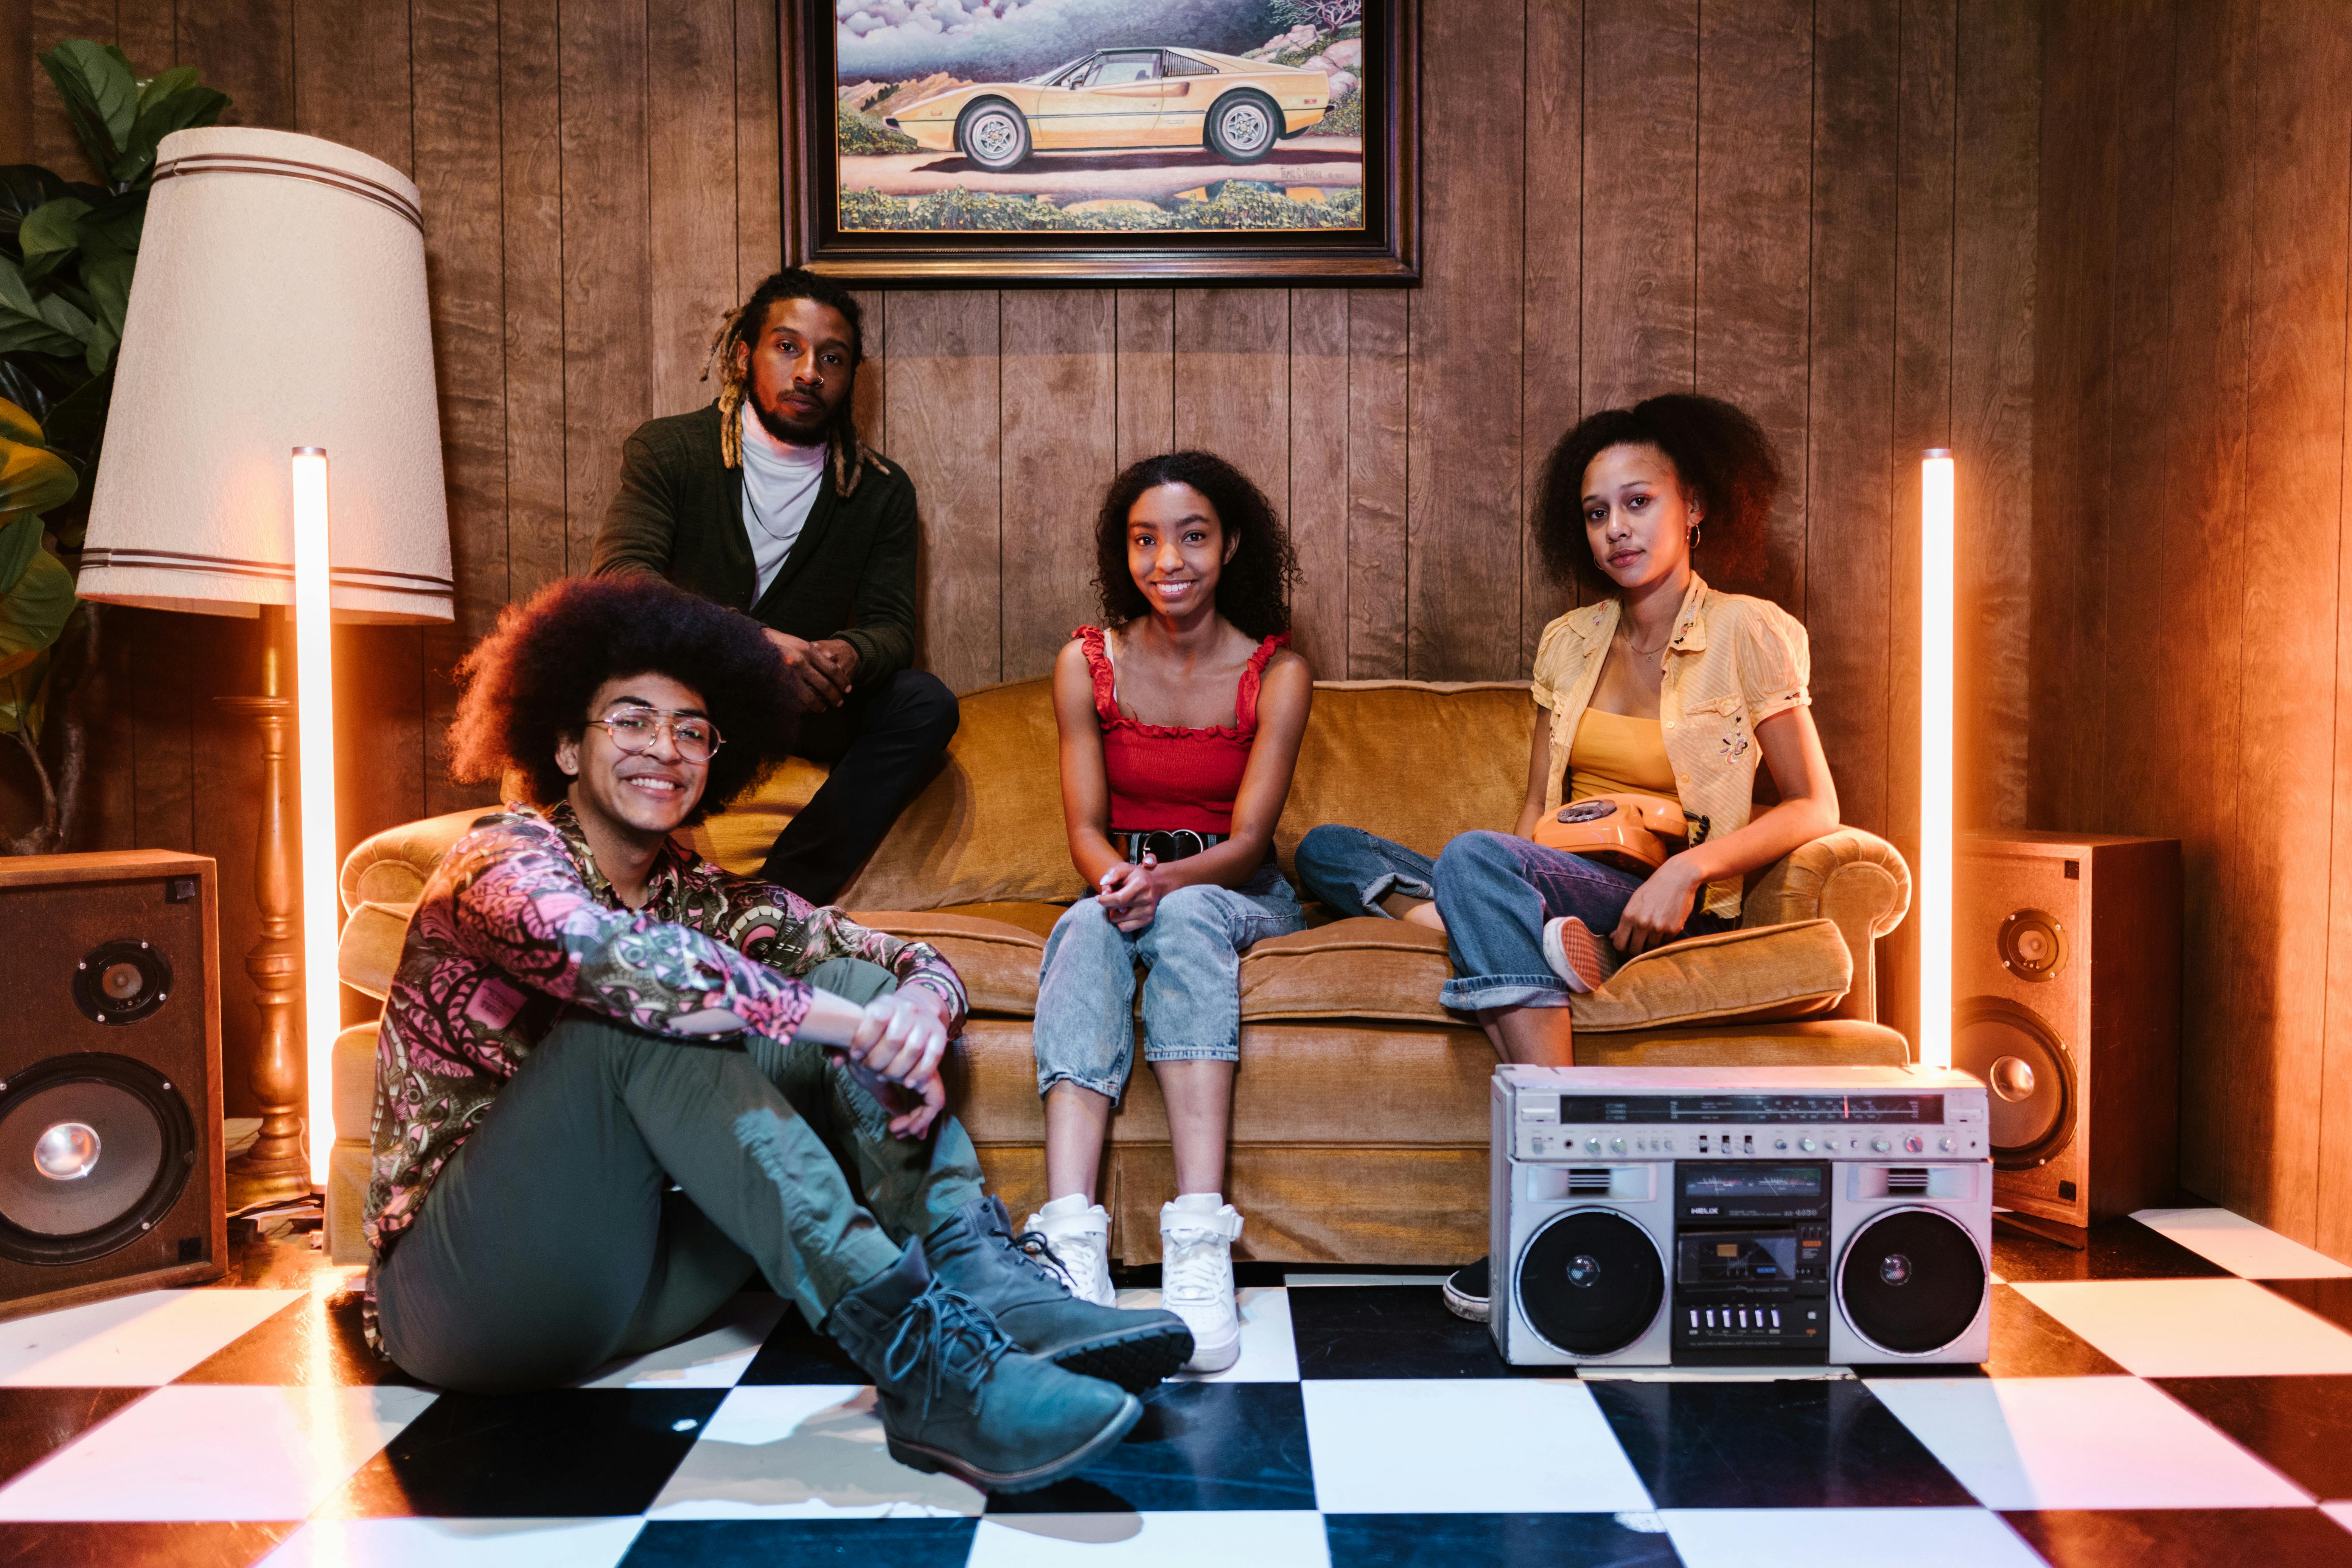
779 487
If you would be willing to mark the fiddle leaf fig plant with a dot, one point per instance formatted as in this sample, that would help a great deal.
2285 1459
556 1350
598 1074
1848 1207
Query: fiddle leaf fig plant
67 250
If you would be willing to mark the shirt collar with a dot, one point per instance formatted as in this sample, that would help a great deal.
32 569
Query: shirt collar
662 883
1598 622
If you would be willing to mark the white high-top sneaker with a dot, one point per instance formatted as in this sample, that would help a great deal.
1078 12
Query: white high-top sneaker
1079 1233
1196 1275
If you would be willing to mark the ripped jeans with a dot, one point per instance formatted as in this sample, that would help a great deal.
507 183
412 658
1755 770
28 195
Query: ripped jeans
551 1242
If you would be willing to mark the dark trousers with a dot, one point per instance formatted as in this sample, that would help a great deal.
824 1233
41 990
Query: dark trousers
881 745
551 1243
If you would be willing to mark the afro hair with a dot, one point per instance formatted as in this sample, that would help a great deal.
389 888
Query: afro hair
1720 453
528 684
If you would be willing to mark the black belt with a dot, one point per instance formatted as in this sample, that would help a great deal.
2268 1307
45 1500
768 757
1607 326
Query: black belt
1167 843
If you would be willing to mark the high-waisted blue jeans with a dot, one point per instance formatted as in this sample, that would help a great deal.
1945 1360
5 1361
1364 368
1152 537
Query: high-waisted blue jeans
1191 955
1495 890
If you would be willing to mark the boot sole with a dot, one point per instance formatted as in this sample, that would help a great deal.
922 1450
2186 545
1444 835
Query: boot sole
1135 1361
1475 1309
938 1461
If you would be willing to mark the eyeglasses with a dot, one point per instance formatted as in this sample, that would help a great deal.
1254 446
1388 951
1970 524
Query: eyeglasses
636 730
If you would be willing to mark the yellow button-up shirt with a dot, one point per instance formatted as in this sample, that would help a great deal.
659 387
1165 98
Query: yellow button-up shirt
1733 662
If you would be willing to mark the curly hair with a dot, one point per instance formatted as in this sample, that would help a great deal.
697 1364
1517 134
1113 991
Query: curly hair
1719 453
742 326
529 683
1254 589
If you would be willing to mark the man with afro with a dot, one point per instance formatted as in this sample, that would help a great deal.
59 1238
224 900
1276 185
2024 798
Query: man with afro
612 1079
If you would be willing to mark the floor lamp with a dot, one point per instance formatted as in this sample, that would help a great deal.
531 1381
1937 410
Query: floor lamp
278 309
1937 565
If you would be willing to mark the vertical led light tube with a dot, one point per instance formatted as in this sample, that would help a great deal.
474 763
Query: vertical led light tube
1935 752
314 663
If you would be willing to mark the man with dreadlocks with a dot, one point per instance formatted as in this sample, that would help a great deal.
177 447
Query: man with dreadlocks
785 516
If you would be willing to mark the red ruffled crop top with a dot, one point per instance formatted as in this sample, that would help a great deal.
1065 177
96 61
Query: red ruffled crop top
1166 776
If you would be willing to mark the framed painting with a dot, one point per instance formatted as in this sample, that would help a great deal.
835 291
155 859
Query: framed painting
962 143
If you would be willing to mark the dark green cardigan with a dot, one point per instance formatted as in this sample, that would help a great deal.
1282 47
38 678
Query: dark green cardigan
851 573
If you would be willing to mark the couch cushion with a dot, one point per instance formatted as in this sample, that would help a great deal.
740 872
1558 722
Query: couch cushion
352 1067
1372 968
368 954
996 960
1804 1042
1755 975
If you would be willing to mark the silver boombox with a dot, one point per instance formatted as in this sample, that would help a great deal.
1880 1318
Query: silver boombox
1757 1217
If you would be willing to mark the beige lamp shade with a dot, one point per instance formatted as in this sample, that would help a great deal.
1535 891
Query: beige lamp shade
278 302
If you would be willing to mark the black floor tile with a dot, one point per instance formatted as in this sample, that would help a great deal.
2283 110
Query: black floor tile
566 1453
795 1353
208 1545
2187 1538
1391 1331
2119 1250
1200 1446
1492 1540
2301 1426
37 1422
767 1543
2330 1299
1771 1444
317 1340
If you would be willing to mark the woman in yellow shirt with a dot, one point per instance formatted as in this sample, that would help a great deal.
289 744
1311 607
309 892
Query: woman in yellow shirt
1662 687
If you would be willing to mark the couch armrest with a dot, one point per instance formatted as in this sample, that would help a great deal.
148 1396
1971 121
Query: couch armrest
1851 876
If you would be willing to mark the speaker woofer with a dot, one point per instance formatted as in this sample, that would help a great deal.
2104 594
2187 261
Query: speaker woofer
1590 1282
1912 1281
2030 1072
94 1149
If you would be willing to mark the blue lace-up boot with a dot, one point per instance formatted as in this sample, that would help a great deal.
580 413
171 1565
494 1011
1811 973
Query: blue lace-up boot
977 1255
957 1396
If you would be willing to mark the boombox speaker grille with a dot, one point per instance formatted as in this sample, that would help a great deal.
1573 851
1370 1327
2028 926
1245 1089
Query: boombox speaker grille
1912 1281
94 1149
2031 1073
1590 1282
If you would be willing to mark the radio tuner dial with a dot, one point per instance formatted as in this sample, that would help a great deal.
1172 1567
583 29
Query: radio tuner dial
1779 1142
1914 1145
1806 1144
1594 1144
1617 1145
1947 1145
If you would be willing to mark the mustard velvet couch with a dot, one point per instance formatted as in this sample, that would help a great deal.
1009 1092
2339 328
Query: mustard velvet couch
1361 1107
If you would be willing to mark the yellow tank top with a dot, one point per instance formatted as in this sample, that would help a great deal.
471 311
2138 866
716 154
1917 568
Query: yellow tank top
1614 754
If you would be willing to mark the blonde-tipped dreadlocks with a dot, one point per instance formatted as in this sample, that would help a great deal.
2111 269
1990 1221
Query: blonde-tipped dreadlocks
850 458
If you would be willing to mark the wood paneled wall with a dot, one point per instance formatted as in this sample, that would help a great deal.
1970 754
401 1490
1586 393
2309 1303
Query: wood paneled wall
1823 209
2191 675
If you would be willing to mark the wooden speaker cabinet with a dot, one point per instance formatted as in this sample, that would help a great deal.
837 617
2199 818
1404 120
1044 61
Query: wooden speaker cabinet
2066 989
110 1174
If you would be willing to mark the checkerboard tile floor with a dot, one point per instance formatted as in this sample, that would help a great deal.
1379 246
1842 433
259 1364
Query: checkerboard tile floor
2178 1393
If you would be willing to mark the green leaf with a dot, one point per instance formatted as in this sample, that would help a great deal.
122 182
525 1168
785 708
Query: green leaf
36 610
164 84
23 188
31 334
100 96
67 316
33 480
115 224
108 278
52 226
76 422
23 691
20 541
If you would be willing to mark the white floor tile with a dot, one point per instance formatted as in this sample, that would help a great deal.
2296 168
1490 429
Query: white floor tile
1150 1540
802 1451
1471 1446
1812 1537
2242 1246
2195 1327
1269 1352
2080 1443
212 1452
2341 1512
714 1359
1424 1277
458 1544
131 1341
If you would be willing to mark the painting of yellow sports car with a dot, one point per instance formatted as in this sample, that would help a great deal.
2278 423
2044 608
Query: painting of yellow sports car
1122 99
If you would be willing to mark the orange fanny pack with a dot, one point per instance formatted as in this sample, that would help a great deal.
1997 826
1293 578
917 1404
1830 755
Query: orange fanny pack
1628 831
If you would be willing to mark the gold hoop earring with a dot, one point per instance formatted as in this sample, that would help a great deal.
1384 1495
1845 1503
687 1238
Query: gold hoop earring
1695 536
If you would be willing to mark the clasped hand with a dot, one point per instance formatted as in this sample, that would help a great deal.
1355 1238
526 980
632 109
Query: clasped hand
895 1054
822 670
1129 892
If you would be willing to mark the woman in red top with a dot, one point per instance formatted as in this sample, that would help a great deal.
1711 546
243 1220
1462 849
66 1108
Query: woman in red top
1180 726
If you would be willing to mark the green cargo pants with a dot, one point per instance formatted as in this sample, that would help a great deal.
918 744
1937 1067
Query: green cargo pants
551 1242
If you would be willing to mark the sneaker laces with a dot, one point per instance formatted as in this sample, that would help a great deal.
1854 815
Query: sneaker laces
1037 1248
947 1334
1198 1266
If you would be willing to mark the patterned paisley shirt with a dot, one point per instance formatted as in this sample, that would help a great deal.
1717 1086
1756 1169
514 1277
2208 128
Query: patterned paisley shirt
517 924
